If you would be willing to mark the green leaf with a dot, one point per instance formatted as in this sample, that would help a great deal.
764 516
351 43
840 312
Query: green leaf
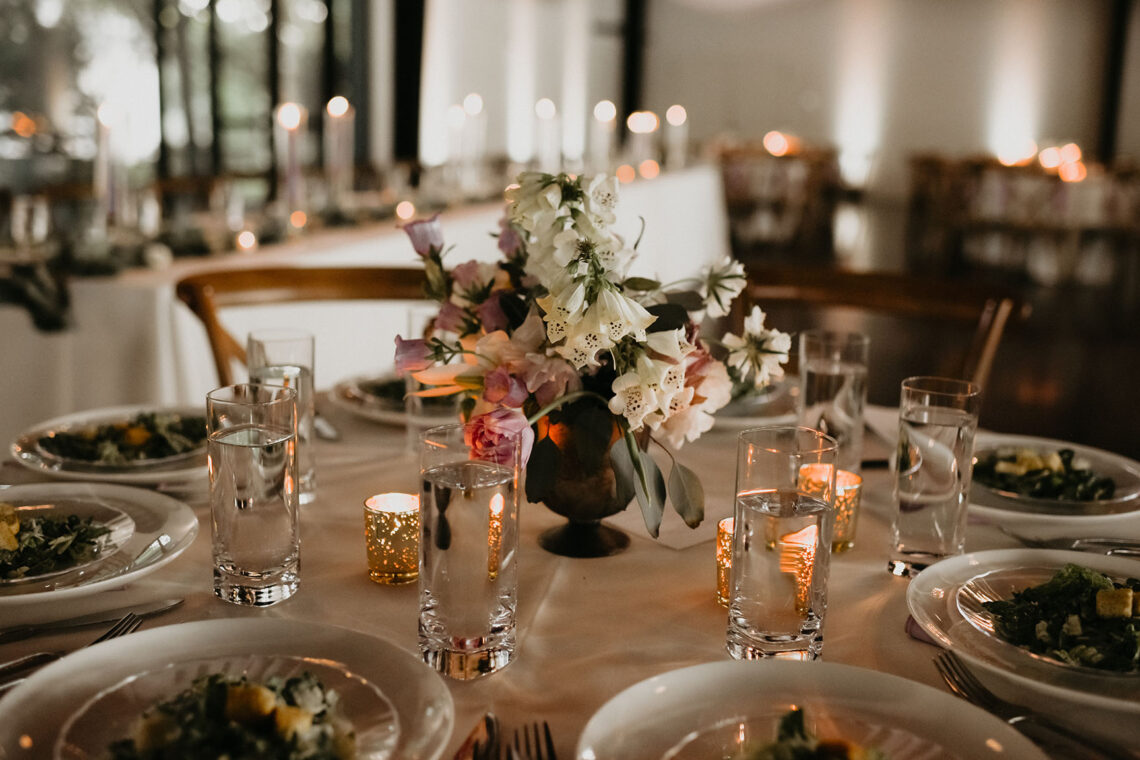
689 300
687 495
650 489
641 283
542 469
670 316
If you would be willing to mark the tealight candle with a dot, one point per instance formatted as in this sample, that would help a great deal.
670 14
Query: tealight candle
724 560
847 497
392 537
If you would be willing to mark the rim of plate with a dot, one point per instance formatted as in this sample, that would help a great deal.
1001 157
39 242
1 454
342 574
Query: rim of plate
25 449
939 585
348 395
37 708
154 515
858 690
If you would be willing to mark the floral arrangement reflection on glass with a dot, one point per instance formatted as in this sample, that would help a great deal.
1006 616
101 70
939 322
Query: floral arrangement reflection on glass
593 367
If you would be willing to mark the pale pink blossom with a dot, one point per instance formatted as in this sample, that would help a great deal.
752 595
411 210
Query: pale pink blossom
502 387
426 235
491 436
411 355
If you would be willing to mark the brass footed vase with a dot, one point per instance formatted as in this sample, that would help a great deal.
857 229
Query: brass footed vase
570 472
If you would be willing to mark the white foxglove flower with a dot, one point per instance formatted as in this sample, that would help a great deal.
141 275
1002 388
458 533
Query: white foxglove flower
584 340
602 197
619 315
670 343
632 400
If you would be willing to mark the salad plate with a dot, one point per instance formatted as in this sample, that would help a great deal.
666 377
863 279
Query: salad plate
720 708
946 601
50 448
380 398
36 711
350 709
996 494
774 404
119 527
162 528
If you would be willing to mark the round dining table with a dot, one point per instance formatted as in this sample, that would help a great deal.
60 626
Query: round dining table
587 628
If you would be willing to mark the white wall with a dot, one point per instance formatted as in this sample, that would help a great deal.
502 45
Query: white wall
884 77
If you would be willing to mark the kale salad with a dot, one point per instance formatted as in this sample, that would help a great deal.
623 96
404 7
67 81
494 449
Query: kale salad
146 437
1079 617
39 545
793 742
1042 475
293 718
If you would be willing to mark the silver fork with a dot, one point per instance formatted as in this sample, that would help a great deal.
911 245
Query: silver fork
533 743
15 672
1033 724
1121 547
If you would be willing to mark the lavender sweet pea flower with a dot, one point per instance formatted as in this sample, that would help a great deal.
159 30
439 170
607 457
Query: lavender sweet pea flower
411 355
501 387
509 241
467 274
488 433
491 314
425 234
450 317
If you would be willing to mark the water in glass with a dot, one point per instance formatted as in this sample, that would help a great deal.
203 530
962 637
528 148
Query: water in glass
300 378
832 397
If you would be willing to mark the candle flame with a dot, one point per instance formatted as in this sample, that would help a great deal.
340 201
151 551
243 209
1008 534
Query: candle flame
405 210
246 240
797 554
605 110
494 535
642 122
289 116
298 219
625 174
473 104
676 115
545 109
338 106
649 168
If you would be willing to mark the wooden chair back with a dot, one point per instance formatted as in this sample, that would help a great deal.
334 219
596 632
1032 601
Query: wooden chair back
896 295
208 292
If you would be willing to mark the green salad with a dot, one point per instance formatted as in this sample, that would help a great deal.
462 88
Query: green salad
38 545
239 719
148 436
1079 617
793 742
1042 475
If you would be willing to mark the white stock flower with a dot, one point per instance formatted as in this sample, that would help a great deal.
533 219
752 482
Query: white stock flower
759 352
721 283
632 399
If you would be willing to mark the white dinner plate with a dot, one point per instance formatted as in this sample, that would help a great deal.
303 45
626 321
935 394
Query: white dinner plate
668 715
944 600
163 527
35 711
352 395
176 469
120 527
1001 505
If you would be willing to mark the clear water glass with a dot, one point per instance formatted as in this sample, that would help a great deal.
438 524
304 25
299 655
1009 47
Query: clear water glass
269 353
781 549
833 389
468 553
937 421
253 493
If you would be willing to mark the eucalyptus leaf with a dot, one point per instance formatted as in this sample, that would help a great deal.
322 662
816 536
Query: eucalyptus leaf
670 316
649 485
690 300
641 283
687 495
542 469
625 457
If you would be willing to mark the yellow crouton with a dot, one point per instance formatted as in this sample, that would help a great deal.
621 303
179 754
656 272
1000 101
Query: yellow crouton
154 731
9 517
8 539
291 721
1114 603
248 702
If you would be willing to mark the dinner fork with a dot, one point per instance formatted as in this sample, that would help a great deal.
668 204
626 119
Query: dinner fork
534 743
16 672
1119 547
1034 725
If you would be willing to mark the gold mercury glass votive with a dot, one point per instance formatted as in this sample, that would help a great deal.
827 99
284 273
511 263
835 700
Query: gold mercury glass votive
848 495
723 560
392 536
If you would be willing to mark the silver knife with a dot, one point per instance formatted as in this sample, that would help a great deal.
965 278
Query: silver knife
146 609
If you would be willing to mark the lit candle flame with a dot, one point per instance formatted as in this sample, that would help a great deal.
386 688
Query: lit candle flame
338 106
797 554
605 110
494 536
289 116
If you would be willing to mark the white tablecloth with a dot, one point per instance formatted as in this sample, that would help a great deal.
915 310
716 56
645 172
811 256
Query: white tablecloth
133 342
588 628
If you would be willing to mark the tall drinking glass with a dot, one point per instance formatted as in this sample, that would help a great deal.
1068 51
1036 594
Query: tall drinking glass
283 356
253 498
937 421
468 551
833 389
781 547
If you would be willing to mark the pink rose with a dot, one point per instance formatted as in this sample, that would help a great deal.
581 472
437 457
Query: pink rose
489 436
501 387
425 234
411 355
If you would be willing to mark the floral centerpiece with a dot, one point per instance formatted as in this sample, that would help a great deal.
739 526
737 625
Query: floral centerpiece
558 342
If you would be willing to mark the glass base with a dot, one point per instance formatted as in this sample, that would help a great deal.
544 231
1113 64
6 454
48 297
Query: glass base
908 567
465 666
391 578
244 590
808 646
